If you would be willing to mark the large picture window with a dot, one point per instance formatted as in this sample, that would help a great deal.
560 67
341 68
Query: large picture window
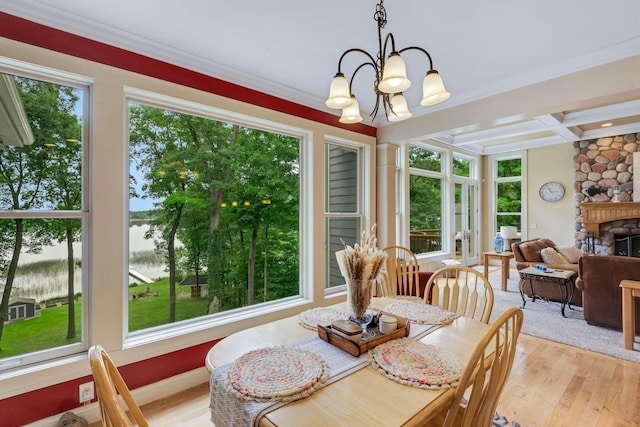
43 220
214 216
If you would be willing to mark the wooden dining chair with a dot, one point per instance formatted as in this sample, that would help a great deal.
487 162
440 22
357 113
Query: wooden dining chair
400 275
476 397
111 388
461 290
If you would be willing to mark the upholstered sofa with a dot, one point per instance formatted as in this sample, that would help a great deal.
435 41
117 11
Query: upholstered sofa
599 280
530 252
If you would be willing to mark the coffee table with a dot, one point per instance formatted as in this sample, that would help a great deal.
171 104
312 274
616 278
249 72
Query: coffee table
565 279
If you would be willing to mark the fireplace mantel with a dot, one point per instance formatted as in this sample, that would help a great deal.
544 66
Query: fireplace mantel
595 213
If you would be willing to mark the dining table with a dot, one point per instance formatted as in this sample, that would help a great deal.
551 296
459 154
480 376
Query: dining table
361 396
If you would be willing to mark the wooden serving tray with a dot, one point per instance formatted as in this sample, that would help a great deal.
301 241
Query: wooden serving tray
342 341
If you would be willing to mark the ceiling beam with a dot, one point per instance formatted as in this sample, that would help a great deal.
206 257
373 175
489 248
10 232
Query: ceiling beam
602 114
555 123
509 131
611 131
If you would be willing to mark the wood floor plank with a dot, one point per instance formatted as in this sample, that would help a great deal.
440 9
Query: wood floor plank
552 384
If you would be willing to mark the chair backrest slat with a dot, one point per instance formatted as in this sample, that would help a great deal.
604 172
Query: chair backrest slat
400 273
461 290
486 373
112 390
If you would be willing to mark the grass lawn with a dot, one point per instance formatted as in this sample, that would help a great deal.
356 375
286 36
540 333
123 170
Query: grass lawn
152 311
50 328
40 333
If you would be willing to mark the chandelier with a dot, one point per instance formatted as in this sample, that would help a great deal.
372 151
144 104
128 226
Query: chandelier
391 80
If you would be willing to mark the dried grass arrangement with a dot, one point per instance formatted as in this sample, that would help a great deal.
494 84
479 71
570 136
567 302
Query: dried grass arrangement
361 265
363 261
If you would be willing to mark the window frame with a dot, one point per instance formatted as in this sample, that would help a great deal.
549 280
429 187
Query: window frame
205 322
448 185
364 198
445 187
85 86
493 196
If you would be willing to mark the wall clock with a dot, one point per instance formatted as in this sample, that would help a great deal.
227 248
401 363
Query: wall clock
551 191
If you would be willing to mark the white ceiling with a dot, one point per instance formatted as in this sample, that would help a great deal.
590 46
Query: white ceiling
290 48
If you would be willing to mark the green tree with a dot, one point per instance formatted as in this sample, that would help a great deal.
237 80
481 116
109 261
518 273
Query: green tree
27 172
213 165
194 235
64 190
158 148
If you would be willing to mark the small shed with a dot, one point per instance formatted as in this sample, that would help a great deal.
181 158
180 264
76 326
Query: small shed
196 285
22 308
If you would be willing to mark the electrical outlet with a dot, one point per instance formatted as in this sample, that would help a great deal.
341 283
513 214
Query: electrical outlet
85 392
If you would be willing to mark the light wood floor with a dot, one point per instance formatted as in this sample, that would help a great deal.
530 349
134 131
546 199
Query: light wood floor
550 385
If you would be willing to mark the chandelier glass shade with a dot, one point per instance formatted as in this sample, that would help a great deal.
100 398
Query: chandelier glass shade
399 109
351 112
391 80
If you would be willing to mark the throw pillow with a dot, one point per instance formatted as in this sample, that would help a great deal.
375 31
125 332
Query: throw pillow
531 251
571 253
551 256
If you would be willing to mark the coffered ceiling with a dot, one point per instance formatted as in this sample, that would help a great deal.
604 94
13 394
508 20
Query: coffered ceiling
594 122
483 50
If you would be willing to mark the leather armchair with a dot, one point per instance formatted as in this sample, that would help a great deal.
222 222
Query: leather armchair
599 279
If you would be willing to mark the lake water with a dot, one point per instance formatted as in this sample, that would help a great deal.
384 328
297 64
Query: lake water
53 282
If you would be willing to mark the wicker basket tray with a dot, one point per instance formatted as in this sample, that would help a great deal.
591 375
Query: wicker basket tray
343 342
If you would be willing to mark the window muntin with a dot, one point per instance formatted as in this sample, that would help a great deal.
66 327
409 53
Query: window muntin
43 222
343 203
221 204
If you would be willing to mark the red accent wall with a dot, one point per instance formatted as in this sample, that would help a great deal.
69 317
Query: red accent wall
56 399
29 32
37 404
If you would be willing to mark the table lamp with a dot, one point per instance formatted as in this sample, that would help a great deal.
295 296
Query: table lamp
508 233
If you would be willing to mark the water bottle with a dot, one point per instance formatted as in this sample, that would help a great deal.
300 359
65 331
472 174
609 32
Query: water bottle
498 243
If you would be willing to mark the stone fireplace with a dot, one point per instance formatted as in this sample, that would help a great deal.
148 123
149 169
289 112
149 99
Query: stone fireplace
607 207
609 222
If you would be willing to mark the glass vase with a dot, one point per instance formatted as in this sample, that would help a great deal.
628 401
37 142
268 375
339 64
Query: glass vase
359 294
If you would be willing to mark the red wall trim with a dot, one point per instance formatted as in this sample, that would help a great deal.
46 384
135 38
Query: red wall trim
56 399
29 32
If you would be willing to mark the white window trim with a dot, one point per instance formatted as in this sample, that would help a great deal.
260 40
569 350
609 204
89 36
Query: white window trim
448 180
168 331
36 72
493 189
364 194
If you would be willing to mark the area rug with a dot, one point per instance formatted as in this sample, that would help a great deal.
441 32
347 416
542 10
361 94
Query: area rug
543 319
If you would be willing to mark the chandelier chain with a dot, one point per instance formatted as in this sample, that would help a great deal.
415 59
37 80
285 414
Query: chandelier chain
380 14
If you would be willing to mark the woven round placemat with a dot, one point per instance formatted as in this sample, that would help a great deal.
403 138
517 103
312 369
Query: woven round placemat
416 364
311 318
277 374
419 312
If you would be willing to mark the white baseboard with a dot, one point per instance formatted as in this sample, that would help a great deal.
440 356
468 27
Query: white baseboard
142 395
